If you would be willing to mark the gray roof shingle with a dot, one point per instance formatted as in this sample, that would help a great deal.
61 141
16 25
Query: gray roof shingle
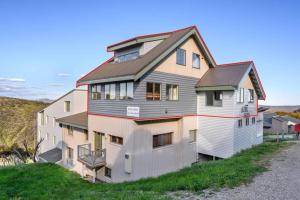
52 156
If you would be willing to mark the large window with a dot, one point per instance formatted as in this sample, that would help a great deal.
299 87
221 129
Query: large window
251 96
240 95
96 92
126 90
214 98
180 56
196 61
110 91
172 92
116 139
126 57
153 91
67 106
162 140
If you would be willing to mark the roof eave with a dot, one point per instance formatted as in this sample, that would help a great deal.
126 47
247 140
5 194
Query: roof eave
216 88
106 80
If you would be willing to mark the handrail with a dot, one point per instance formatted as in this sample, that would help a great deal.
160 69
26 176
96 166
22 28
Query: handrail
92 158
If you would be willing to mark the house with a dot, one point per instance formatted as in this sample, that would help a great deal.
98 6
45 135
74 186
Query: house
160 104
284 124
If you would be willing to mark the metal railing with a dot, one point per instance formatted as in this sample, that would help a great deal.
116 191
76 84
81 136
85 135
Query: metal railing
91 158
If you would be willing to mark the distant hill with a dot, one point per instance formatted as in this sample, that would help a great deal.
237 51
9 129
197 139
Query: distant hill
273 109
18 120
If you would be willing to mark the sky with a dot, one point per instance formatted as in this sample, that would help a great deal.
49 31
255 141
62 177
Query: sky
45 46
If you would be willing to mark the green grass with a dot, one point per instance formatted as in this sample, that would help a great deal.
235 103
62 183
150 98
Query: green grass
48 181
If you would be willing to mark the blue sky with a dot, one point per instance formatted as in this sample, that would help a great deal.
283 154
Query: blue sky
45 46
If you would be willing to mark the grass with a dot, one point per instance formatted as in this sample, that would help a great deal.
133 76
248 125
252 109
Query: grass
49 181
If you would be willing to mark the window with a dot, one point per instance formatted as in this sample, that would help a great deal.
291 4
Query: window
54 140
69 130
107 172
128 56
86 134
96 92
240 123
153 91
193 135
214 98
196 61
172 92
67 106
247 121
251 96
126 90
162 140
240 95
180 56
116 139
110 91
253 120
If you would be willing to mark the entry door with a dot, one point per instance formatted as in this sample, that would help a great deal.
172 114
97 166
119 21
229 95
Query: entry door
99 141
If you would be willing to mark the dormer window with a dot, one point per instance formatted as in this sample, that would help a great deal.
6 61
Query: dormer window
127 57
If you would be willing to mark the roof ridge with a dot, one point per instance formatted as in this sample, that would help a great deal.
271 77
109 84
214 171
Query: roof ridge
234 63
148 35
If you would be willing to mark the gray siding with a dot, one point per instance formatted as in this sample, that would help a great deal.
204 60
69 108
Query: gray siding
187 103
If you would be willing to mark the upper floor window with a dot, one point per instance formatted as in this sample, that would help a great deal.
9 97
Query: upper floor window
116 139
128 56
196 61
253 120
68 130
180 56
240 95
153 91
214 98
67 106
240 123
247 121
172 92
96 92
162 140
110 91
251 96
126 90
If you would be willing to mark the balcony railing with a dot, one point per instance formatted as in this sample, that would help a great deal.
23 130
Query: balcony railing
92 159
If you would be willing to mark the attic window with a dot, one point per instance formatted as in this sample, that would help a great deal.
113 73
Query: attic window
128 56
180 57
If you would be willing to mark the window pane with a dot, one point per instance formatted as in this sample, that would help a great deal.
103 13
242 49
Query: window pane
180 56
149 91
107 96
168 92
130 90
175 92
112 91
122 90
209 99
157 91
196 60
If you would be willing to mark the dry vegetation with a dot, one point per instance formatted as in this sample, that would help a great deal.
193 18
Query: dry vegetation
295 114
18 121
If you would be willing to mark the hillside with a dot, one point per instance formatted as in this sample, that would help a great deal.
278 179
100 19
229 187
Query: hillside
18 121
273 109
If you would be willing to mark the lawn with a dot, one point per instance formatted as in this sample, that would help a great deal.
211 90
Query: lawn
49 181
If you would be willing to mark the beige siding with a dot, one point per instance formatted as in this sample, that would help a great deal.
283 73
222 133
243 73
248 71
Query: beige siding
169 65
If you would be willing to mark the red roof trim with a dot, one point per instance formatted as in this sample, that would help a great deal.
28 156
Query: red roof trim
77 84
148 35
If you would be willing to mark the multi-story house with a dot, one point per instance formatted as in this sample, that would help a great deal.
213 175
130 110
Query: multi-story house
160 104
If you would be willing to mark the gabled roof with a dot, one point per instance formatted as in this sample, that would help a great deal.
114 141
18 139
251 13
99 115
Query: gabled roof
135 69
79 120
229 77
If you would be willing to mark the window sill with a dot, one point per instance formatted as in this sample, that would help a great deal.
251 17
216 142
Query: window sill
196 67
181 64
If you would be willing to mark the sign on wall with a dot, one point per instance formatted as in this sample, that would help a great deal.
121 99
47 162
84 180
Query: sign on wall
133 111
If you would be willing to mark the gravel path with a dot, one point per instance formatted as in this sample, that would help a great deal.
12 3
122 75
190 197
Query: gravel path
282 182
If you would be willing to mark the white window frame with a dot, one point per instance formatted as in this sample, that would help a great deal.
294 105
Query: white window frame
251 96
96 92
170 96
241 95
195 55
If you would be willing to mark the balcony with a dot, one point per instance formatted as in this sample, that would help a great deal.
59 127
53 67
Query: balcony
92 159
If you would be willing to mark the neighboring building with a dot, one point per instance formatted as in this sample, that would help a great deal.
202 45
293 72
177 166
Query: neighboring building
49 129
160 104
284 124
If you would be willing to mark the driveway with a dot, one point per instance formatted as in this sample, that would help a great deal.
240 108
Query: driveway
281 182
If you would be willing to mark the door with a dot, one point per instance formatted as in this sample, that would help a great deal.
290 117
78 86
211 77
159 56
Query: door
99 141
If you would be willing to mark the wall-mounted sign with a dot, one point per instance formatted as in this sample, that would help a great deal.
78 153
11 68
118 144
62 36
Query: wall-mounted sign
133 111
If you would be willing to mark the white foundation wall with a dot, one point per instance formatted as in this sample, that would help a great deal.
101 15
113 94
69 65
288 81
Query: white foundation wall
78 99
215 133
137 141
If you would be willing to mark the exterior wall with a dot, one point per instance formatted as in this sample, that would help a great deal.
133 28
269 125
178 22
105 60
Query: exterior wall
215 136
169 65
187 103
56 110
72 141
137 141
